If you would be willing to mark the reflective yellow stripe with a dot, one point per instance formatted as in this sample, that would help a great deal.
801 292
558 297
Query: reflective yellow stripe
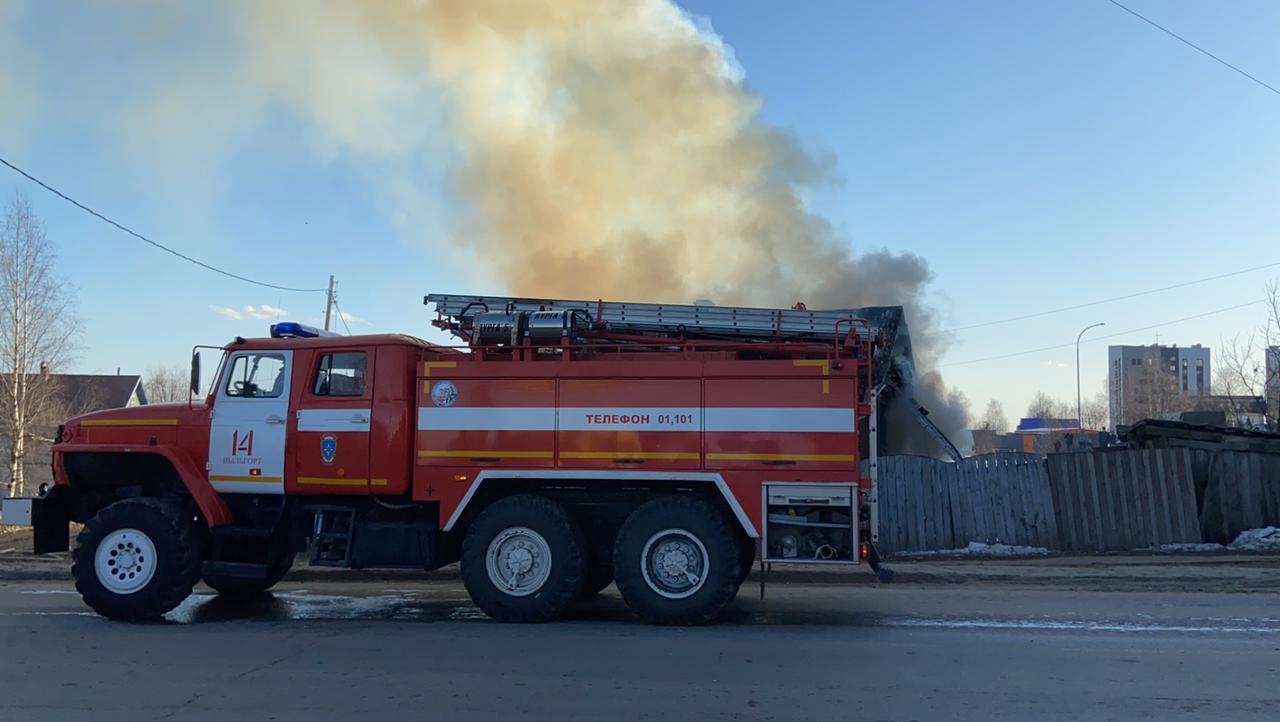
848 458
339 481
673 455
482 453
426 371
264 479
428 365
824 364
129 422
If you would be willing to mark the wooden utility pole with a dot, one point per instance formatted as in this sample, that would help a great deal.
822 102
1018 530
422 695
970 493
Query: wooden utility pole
328 303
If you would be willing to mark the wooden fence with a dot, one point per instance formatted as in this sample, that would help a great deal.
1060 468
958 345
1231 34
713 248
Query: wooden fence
1122 499
926 504
1238 490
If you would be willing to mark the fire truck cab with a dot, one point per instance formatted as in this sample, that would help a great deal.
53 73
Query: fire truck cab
560 447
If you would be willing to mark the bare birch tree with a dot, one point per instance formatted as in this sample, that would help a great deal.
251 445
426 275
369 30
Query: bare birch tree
35 332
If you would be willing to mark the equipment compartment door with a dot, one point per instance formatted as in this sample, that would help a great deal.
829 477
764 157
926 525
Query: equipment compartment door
775 422
331 445
250 415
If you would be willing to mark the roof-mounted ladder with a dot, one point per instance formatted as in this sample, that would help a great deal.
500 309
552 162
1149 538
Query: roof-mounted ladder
455 312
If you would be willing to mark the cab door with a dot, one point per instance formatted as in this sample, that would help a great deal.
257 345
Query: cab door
250 415
331 445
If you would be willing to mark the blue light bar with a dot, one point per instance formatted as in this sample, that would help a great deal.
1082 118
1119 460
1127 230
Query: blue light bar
293 329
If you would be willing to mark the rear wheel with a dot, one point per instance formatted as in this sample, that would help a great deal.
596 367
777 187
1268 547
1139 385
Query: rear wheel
677 561
523 559
137 558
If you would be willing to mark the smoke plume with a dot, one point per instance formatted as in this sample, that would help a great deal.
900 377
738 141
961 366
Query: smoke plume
593 148
604 149
611 149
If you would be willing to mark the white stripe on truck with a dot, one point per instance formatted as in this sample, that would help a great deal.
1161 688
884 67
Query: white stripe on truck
571 418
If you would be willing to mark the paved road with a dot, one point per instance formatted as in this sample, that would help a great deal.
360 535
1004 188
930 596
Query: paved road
328 651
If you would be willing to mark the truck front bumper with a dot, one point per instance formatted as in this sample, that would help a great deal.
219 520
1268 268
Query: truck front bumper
48 518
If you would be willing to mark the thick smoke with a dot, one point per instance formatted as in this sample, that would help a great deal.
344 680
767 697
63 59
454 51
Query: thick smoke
610 149
596 148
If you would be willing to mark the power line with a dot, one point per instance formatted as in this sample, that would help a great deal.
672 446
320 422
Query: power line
1176 36
342 316
144 239
1069 344
1113 299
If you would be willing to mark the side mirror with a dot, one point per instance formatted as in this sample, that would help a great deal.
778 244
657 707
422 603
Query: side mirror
195 373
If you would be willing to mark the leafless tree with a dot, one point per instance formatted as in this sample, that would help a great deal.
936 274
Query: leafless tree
1248 365
1044 406
993 419
1095 411
36 332
166 384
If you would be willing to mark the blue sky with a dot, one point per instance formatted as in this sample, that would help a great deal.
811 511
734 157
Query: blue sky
1037 154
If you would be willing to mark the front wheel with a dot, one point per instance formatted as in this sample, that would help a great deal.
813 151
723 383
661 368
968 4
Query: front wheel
137 558
677 561
523 559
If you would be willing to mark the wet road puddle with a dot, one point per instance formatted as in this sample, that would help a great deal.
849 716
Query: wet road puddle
427 606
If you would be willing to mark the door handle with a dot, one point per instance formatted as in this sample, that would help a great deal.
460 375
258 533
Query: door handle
274 419
357 419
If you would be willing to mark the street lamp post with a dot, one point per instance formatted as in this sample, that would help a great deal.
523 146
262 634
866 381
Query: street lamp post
1079 404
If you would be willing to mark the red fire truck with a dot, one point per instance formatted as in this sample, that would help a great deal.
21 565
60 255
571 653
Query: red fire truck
560 447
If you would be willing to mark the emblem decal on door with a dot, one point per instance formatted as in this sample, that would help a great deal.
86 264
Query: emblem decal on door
328 448
444 393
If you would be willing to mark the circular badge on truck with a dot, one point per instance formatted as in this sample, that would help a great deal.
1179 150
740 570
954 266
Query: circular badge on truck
444 393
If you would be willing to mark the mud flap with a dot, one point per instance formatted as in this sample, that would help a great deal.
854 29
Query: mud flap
48 519
883 573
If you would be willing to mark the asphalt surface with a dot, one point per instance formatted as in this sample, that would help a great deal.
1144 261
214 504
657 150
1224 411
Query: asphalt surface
394 650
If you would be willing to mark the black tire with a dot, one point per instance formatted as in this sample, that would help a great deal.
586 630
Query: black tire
564 574
243 587
691 522
170 528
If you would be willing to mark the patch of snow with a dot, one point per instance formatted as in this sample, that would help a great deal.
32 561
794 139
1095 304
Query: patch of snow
979 549
1190 547
1266 539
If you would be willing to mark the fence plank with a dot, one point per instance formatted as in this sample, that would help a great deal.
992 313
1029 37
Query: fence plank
936 500
1150 497
943 540
914 512
924 503
1188 527
1064 501
1138 484
1049 528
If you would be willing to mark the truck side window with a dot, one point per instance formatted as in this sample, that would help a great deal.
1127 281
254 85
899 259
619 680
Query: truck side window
341 374
256 375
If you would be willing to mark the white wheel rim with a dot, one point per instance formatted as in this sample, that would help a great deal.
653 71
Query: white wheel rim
518 561
674 563
125 561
